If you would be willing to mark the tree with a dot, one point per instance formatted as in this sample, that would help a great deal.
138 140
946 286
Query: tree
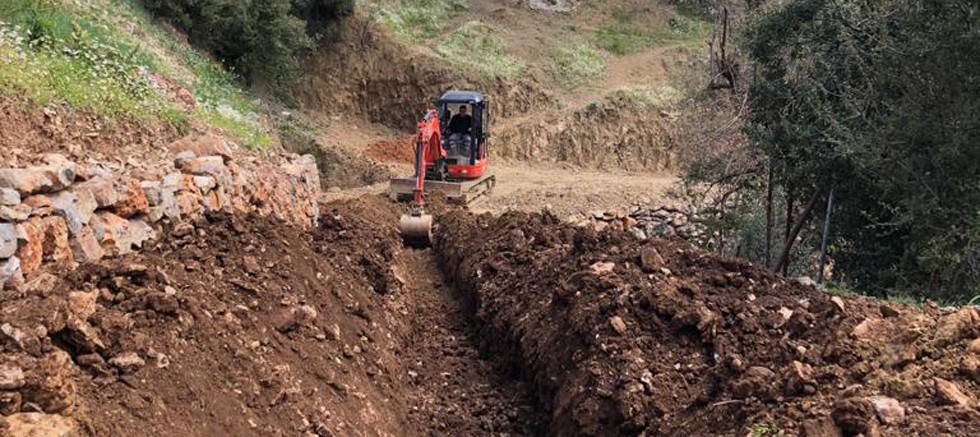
878 100
262 40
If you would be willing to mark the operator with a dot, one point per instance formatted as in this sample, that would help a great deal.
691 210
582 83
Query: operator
460 128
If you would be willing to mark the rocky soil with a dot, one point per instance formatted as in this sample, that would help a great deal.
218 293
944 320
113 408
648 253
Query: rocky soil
623 338
232 326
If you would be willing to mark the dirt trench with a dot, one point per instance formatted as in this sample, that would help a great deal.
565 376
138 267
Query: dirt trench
517 325
245 326
461 391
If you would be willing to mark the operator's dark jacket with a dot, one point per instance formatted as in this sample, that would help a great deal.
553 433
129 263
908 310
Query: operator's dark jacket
461 124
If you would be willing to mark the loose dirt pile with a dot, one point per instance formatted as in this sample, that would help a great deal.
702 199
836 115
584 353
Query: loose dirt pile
235 327
247 326
621 338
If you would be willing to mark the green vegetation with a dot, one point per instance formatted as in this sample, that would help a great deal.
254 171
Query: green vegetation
418 20
764 430
875 101
262 40
648 96
100 56
624 36
52 54
474 46
878 101
577 64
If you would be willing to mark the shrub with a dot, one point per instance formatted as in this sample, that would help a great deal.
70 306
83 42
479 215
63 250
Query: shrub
262 40
416 20
623 36
473 45
576 65
53 55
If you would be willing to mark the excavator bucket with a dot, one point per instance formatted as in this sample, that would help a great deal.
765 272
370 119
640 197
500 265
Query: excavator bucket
416 229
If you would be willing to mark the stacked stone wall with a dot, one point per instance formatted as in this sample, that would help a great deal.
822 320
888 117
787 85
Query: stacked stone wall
61 213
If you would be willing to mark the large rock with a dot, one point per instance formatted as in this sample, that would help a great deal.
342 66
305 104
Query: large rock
81 305
119 236
132 198
140 232
37 425
963 324
85 247
9 197
111 230
125 196
127 362
8 240
54 240
40 205
153 192
41 179
205 166
889 410
202 145
17 213
102 189
205 183
190 204
11 274
31 251
76 208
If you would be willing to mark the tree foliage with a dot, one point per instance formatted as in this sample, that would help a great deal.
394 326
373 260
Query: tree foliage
878 100
262 40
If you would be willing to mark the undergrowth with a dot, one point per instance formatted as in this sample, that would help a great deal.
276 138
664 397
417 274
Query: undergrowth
473 45
98 55
53 55
417 20
648 96
623 36
575 65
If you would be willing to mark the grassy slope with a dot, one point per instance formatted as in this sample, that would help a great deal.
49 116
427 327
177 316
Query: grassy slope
578 51
102 56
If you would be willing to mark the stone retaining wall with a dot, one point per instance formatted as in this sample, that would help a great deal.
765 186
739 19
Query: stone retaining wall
61 213
645 221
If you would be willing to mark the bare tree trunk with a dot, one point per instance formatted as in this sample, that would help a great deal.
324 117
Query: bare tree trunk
783 261
769 218
786 240
826 234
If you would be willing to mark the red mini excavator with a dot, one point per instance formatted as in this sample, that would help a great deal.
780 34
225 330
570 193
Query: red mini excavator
450 160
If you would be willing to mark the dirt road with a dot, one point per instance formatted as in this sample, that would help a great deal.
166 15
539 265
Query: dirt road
563 190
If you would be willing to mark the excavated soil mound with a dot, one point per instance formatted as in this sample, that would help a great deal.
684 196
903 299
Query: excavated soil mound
622 338
238 326
395 150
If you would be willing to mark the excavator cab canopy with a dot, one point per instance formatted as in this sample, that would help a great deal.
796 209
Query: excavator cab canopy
450 102
465 146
